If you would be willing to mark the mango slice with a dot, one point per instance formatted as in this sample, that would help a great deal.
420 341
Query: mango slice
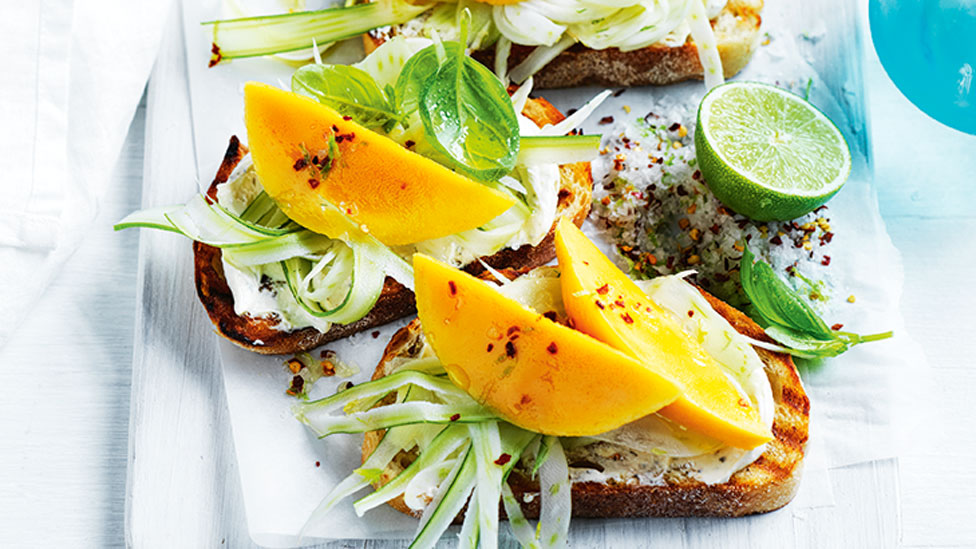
605 303
307 154
534 372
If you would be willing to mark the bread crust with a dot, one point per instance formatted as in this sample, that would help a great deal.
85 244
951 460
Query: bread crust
396 300
767 484
736 32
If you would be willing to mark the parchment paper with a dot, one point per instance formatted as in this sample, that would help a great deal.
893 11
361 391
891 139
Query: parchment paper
857 399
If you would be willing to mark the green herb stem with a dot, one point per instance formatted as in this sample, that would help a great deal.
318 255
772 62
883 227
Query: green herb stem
855 338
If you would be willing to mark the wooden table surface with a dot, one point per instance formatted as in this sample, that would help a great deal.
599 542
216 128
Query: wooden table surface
65 378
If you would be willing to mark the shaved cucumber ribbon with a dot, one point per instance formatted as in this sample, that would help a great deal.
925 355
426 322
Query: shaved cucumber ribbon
443 388
342 294
317 292
455 406
408 413
565 149
276 249
480 455
447 442
521 529
557 501
238 10
275 34
447 503
487 445
205 222
393 442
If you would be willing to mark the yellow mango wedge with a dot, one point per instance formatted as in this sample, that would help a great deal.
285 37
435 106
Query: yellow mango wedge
532 371
605 303
307 154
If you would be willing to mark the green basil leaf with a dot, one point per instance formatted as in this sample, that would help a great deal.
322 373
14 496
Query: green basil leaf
468 116
416 72
776 302
349 90
803 345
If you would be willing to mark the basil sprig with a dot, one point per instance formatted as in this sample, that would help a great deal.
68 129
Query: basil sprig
790 320
349 90
467 113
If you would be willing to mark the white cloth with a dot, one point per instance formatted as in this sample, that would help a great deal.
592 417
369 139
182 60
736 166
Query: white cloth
74 72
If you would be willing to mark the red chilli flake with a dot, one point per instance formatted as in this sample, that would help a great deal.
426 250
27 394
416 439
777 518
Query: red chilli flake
691 314
455 417
619 303
312 182
776 240
513 329
347 118
606 120
490 347
503 459
552 348
599 304
627 318
318 464
551 315
509 349
409 144
836 327
215 56
375 334
825 261
602 290
452 287
300 164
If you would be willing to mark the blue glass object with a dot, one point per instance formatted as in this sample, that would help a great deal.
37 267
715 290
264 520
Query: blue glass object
928 48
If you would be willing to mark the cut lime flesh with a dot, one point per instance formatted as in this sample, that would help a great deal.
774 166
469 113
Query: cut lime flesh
768 154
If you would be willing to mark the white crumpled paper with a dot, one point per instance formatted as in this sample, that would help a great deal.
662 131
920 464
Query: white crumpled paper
856 398
74 72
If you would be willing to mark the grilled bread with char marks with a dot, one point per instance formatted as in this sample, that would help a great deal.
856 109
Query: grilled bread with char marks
736 32
766 484
396 301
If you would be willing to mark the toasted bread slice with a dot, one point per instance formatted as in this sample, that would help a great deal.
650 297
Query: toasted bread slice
396 301
736 32
767 484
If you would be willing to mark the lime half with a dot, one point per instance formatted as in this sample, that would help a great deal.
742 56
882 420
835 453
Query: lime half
767 153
